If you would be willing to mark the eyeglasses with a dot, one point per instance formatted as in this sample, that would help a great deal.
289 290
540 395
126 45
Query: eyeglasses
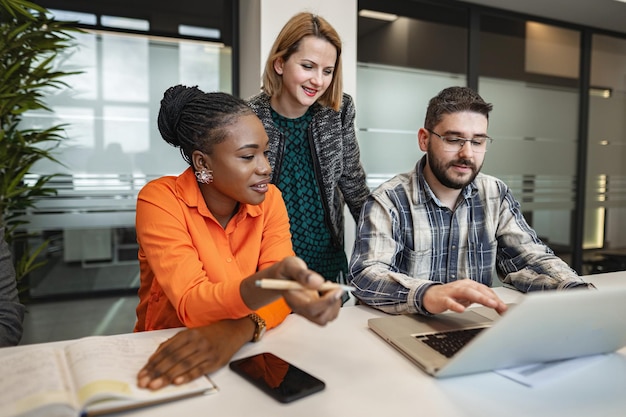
455 144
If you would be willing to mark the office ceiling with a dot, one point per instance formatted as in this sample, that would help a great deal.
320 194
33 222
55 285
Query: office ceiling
602 14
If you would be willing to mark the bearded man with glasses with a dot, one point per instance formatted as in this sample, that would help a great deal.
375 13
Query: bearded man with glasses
431 240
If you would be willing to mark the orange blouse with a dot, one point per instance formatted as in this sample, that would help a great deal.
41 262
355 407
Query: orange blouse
191 267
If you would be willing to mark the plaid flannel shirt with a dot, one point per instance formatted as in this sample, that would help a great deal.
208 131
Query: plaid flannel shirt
407 241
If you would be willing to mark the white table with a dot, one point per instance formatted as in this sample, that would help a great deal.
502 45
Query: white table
366 377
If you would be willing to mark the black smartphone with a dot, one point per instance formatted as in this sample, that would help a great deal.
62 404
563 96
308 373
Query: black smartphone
277 377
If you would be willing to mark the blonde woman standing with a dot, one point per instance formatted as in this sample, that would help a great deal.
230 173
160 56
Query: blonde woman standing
313 147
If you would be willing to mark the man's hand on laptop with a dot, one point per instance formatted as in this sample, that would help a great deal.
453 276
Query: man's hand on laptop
458 295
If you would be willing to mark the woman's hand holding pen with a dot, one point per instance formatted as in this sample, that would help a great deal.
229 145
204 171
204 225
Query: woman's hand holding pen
314 302
319 309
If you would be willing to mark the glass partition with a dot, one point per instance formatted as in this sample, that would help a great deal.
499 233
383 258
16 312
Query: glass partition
529 71
402 63
112 148
605 203
112 105
388 133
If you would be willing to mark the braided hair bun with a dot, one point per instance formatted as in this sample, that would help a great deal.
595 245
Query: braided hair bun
191 119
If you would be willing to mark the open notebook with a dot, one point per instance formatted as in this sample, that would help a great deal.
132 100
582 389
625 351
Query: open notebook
544 326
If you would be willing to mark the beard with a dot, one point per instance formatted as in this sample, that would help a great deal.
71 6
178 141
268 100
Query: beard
440 171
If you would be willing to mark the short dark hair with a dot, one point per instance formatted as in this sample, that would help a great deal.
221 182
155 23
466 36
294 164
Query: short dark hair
191 119
454 100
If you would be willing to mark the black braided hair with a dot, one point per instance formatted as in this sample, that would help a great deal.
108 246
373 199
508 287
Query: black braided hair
191 119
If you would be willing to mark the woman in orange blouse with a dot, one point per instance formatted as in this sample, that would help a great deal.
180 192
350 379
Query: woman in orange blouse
206 236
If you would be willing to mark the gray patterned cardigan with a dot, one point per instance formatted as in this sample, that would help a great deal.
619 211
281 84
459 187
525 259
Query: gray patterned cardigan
338 170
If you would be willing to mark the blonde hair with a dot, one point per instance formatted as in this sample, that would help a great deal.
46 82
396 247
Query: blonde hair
287 43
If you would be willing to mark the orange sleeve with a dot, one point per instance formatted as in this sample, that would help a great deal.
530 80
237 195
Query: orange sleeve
275 246
274 313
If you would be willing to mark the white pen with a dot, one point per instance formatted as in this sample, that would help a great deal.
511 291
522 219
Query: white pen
283 284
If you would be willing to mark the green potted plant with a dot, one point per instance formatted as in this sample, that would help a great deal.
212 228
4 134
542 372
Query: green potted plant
30 42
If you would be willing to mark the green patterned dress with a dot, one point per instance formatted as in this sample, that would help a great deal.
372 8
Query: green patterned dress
310 235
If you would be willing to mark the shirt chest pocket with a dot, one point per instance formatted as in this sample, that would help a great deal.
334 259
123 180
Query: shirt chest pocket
415 263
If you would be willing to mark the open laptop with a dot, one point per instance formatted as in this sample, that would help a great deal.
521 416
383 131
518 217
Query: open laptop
544 326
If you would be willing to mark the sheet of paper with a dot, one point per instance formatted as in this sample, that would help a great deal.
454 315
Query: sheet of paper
539 373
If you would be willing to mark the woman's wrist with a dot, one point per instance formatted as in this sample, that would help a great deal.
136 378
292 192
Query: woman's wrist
255 297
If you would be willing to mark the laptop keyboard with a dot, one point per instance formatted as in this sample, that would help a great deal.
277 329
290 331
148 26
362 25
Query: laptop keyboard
450 342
